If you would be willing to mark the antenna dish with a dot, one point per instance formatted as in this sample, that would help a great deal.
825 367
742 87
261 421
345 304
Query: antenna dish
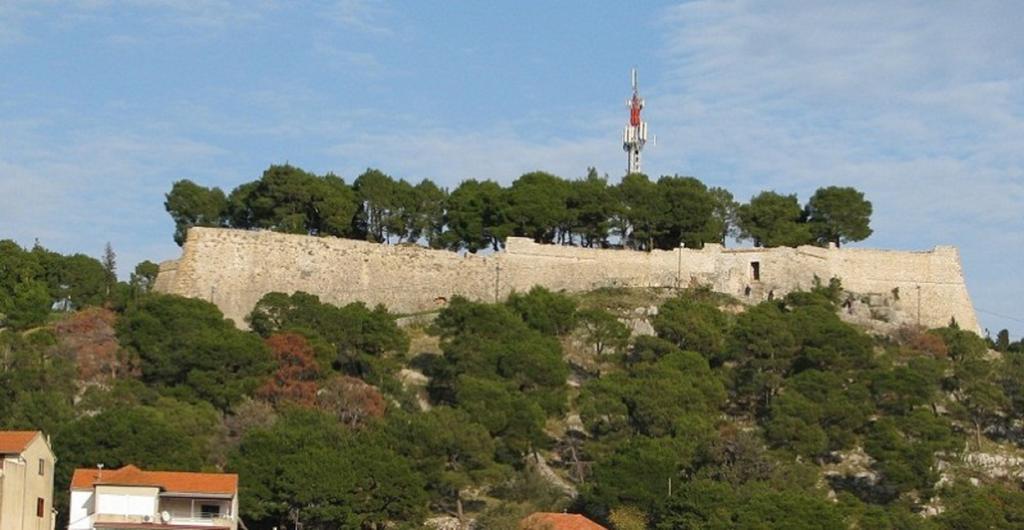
165 516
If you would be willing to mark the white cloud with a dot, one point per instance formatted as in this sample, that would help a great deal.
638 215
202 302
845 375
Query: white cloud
340 58
366 16
100 186
19 18
919 104
449 157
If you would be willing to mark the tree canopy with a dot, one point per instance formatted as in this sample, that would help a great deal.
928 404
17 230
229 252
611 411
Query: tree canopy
186 344
37 281
638 212
308 468
838 215
773 220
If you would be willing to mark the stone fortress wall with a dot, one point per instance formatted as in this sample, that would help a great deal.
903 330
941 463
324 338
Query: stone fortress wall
235 268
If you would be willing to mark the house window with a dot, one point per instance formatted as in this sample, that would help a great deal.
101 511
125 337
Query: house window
40 506
42 466
209 511
755 270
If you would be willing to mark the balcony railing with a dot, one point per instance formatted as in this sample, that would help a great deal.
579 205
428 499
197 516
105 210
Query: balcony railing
202 520
224 520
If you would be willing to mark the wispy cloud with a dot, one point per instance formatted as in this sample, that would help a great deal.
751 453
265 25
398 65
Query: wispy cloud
98 186
920 105
448 156
338 57
367 16
19 17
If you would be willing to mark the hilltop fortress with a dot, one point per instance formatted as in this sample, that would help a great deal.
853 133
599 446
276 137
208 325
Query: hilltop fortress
235 268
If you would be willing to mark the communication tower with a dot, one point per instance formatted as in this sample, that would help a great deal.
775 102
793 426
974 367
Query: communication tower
635 134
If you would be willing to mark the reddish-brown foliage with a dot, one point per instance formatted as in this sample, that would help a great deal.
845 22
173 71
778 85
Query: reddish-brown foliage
297 371
918 340
89 339
352 400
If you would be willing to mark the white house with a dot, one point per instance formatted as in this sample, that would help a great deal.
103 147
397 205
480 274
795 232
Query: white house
130 498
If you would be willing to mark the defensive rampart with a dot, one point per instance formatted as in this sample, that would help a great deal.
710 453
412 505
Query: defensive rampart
235 268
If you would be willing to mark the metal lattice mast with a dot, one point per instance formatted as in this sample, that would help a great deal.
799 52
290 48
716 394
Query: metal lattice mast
635 134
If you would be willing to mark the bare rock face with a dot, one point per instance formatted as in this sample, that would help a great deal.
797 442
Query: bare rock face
410 377
235 268
573 422
851 471
996 465
415 380
881 313
639 323
541 467
446 523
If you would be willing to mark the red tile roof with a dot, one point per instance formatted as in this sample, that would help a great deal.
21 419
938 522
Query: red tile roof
558 521
171 481
14 442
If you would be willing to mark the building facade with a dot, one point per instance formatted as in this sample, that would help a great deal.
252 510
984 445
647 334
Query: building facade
130 498
26 481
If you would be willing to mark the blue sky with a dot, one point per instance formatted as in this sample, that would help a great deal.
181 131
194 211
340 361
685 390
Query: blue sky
103 104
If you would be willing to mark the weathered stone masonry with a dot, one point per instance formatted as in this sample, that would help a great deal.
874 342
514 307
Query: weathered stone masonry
235 268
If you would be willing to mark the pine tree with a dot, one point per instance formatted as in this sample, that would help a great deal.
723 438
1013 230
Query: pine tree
110 266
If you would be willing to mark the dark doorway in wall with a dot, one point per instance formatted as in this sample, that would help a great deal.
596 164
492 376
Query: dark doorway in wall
755 270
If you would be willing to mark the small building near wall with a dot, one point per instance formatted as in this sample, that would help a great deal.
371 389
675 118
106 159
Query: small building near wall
26 481
130 498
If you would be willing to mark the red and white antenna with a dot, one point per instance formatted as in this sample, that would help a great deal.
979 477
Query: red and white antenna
635 134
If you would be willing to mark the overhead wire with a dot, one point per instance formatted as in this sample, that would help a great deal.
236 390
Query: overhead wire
1000 315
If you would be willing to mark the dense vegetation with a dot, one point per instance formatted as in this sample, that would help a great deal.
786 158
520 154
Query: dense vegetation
779 415
637 212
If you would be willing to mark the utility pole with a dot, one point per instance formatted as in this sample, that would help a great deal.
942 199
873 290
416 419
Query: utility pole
679 266
497 281
635 134
918 306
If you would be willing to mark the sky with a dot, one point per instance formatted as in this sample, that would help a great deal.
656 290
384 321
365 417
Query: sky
105 103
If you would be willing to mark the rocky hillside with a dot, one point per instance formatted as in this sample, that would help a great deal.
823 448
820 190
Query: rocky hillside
654 408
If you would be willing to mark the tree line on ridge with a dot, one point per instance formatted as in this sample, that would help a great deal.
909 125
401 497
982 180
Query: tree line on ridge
637 213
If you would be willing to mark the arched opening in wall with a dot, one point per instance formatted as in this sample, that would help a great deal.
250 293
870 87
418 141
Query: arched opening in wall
755 270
